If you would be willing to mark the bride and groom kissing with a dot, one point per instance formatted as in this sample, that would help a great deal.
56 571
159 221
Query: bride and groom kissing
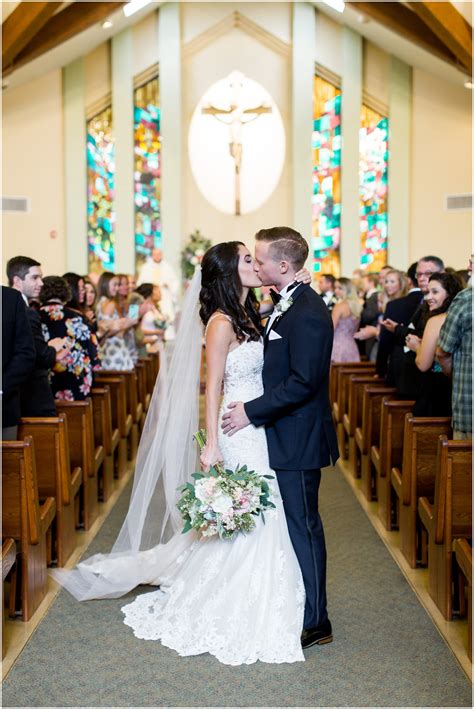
260 596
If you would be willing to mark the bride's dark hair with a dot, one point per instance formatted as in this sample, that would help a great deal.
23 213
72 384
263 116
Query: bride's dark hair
221 289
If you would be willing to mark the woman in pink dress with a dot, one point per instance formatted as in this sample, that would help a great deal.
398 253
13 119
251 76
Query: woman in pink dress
345 318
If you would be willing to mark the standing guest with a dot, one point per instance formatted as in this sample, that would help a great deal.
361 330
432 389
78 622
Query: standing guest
435 394
71 378
123 298
158 271
382 273
78 291
370 312
454 354
153 323
326 285
18 359
390 354
115 353
24 275
345 318
395 285
90 303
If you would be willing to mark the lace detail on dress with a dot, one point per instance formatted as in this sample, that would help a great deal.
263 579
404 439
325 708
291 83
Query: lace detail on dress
241 600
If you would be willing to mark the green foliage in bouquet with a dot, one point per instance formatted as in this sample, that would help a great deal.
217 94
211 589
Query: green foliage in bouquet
222 501
192 254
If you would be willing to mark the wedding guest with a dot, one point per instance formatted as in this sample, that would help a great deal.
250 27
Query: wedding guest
90 303
115 353
24 275
160 272
434 398
123 304
370 313
18 359
395 285
153 323
78 291
71 378
454 354
326 289
345 318
382 273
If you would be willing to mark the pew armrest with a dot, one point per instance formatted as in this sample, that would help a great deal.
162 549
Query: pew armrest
346 424
76 481
359 438
463 551
47 513
99 457
375 458
8 556
396 478
425 510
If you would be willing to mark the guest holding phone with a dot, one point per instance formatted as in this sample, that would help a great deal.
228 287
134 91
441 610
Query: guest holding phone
115 352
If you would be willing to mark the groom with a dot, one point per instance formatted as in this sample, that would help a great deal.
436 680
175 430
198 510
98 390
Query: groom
295 410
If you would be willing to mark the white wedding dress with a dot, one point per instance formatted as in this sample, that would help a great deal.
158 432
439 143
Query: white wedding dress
241 600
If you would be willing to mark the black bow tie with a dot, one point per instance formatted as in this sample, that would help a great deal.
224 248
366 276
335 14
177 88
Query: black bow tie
276 297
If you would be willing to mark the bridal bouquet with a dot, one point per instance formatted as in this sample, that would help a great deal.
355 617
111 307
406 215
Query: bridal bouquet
223 502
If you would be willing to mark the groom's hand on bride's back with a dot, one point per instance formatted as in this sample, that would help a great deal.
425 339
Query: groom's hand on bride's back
235 419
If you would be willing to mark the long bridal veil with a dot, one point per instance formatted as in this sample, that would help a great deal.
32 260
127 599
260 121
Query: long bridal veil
150 542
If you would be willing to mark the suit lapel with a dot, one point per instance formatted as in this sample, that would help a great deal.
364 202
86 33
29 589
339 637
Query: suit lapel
294 295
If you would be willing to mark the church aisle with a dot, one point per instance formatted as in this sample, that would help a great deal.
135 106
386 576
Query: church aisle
386 650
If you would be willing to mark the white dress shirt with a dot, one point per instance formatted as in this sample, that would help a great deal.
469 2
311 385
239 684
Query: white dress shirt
275 314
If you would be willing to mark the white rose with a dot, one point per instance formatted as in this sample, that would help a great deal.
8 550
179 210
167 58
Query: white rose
221 503
199 252
200 491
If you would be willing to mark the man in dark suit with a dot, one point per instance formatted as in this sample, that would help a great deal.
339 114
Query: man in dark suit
24 275
18 359
401 310
370 311
326 285
295 410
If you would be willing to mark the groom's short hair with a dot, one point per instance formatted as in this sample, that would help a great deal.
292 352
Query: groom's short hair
286 245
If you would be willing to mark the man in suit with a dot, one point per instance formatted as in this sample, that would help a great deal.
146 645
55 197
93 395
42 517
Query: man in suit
326 285
295 410
401 310
24 275
18 359
370 311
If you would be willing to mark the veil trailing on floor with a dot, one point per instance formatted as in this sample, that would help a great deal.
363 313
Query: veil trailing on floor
150 543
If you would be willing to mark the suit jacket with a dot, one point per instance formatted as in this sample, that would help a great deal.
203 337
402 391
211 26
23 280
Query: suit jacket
18 353
409 380
369 316
390 351
295 405
36 396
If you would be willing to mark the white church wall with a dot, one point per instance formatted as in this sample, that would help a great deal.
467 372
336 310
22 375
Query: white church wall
329 43
145 43
441 164
375 72
97 74
33 168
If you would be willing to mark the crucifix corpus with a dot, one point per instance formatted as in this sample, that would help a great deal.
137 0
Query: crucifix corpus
236 116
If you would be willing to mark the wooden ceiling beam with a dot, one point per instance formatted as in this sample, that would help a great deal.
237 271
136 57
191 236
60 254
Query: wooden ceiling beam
400 19
75 18
449 26
22 25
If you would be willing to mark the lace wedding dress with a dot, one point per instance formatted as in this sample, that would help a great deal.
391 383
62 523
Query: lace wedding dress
241 600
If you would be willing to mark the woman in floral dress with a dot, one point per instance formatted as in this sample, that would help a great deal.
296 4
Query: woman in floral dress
71 378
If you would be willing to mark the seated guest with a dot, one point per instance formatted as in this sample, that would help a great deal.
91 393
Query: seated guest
153 323
435 394
390 354
24 275
115 353
345 318
18 359
71 378
326 289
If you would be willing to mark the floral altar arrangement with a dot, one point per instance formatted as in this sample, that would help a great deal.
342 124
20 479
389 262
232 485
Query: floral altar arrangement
224 502
192 254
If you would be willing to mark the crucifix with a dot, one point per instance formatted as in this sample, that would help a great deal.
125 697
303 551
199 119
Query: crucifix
236 116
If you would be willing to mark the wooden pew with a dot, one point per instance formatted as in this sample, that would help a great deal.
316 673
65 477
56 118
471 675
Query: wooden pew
8 561
334 376
353 418
341 405
416 478
150 374
368 434
449 517
388 454
83 453
133 408
143 396
121 419
463 553
27 522
155 361
108 436
56 478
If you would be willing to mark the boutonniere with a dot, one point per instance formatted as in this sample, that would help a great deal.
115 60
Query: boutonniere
283 305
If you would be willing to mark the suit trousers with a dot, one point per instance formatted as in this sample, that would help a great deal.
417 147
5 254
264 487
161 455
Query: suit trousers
299 492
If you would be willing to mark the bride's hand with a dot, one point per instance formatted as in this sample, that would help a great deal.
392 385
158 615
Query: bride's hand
209 456
303 276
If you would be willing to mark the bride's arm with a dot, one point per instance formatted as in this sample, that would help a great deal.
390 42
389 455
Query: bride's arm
219 337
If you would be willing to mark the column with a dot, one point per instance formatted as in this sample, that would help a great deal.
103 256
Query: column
169 47
350 124
303 58
75 166
122 122
399 146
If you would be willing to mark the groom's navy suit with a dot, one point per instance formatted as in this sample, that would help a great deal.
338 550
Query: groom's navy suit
301 438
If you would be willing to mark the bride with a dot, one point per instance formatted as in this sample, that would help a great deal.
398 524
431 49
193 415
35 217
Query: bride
241 600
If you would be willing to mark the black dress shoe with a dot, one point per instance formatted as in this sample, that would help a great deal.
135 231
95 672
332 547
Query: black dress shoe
320 635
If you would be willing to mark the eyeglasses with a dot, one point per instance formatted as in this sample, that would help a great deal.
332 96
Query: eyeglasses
424 273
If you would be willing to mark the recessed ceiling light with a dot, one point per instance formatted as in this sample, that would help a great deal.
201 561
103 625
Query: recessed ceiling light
107 24
468 85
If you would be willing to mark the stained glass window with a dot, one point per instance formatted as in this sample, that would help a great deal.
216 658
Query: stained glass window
100 192
326 202
147 170
373 175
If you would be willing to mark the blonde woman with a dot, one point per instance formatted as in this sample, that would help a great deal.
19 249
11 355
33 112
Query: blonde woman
345 318
395 285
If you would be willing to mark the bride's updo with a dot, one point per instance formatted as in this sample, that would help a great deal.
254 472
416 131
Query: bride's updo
221 289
